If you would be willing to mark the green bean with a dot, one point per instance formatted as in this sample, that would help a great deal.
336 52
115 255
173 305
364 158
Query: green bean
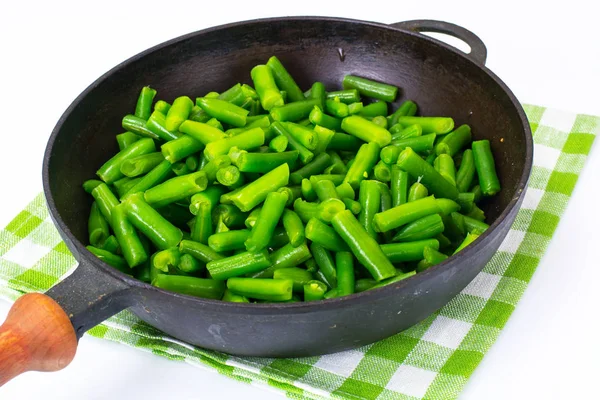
399 132
158 174
345 191
455 141
162 107
399 185
199 251
227 241
308 191
284 80
197 114
346 96
333 293
299 276
176 214
369 197
324 136
420 144
444 164
292 192
316 166
303 135
261 162
176 189
382 172
150 223
97 226
125 139
213 166
180 148
294 227
437 125
366 130
111 259
262 289
365 160
111 244
317 91
394 279
230 176
105 200
314 290
128 239
326 264
246 140
378 108
179 112
423 228
141 165
380 121
192 162
336 108
269 217
370 88
417 191
470 238
322 234
409 251
110 171
466 171
232 216
137 125
157 124
404 214
342 141
355 108
337 165
189 265
318 117
417 167
472 225
192 286
166 260
466 201
408 108
279 144
267 90
447 206
223 111
325 189
234 298
256 192
286 257
238 265
90 185
236 94
362 285
344 262
364 247
202 132
180 168
304 154
475 213
294 111
485 166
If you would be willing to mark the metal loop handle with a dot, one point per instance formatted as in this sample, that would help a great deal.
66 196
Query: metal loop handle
478 50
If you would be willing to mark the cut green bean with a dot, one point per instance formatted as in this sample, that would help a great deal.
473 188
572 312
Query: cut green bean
342 141
294 227
365 160
192 286
473 225
97 227
267 90
238 265
399 186
444 164
417 191
231 297
284 80
179 112
337 165
355 108
399 277
199 251
369 197
189 265
344 262
362 285
299 276
317 91
125 139
437 125
410 162
314 290
318 117
380 121
423 228
485 166
150 223
471 237
466 172
279 144
137 125
326 264
370 88
304 154
345 190
111 244
292 192
180 168
256 192
336 108
366 130
180 148
261 162
269 217
308 191
466 201
382 172
401 132
166 260
294 111
408 108
176 189
247 140
202 132
105 200
223 111
404 214
227 241
378 108
157 124
420 144
455 141
287 256
409 251
329 208
231 215
346 96
162 107
131 246
325 189
324 136
158 174
262 289
111 170
90 185
192 162
111 259
141 165
324 235
364 247
316 166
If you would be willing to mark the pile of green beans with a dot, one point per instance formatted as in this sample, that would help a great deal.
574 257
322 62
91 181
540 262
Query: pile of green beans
266 193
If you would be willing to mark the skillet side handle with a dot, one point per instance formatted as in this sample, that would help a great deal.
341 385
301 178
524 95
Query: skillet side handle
478 50
36 336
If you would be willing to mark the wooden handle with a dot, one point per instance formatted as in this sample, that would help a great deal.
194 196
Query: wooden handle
36 336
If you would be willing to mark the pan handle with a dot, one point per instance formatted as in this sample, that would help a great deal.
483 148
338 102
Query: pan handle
478 50
41 330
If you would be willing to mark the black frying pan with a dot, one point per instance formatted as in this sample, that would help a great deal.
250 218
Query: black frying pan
442 81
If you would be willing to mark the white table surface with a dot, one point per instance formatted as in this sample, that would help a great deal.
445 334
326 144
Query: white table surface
549 348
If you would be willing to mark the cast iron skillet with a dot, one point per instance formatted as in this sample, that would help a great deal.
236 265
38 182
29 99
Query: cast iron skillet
442 80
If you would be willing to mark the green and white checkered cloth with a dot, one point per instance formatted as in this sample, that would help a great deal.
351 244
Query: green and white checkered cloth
431 360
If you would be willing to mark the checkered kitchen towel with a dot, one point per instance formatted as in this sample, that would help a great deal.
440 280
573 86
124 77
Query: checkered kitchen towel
431 360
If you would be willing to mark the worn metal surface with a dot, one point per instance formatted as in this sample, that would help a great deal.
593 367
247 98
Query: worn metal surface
442 80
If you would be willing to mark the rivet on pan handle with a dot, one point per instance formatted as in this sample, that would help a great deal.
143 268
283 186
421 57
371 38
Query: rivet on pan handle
478 50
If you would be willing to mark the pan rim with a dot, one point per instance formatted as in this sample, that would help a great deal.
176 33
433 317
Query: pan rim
299 307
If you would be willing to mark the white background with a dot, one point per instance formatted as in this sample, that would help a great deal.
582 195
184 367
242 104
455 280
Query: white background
548 55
